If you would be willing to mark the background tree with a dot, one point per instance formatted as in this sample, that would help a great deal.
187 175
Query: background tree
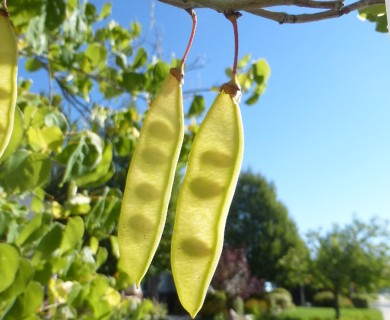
356 255
260 223
233 275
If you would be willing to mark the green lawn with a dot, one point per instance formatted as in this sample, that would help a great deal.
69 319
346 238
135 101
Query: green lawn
302 313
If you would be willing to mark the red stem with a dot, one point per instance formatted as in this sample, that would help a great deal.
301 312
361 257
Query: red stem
233 19
194 22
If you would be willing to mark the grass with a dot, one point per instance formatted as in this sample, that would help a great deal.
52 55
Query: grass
303 313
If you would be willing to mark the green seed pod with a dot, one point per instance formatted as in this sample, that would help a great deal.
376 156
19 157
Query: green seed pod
8 79
204 199
150 178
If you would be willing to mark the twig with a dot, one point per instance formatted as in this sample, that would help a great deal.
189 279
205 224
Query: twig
256 7
283 17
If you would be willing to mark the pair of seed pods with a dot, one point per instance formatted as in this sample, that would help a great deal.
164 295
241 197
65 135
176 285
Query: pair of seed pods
8 79
204 198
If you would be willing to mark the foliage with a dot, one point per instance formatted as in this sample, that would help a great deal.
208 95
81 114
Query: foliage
361 301
279 299
256 306
259 222
233 275
147 309
356 254
376 14
326 299
305 313
215 303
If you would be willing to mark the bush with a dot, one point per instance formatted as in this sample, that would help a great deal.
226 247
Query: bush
361 301
146 309
214 304
238 305
326 299
256 306
280 299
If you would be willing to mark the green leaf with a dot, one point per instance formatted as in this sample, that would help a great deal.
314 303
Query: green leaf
29 229
97 55
375 14
45 139
244 61
101 257
27 304
22 14
82 155
101 220
72 235
124 145
140 58
56 119
90 13
160 71
261 71
9 265
197 107
48 245
25 171
121 60
23 277
133 81
36 36
106 11
55 14
32 299
35 117
136 29
252 99
33 65
100 171
76 27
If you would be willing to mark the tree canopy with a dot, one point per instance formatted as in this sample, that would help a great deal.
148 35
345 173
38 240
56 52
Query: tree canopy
259 223
352 256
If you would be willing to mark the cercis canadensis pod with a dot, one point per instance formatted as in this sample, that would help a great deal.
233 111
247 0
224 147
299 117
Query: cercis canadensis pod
150 178
8 79
204 199
151 174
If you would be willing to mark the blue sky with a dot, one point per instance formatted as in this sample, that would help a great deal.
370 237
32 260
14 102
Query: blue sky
321 131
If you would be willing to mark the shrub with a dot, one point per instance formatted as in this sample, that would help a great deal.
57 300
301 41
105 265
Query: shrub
326 299
361 301
256 306
280 299
146 309
214 304
238 305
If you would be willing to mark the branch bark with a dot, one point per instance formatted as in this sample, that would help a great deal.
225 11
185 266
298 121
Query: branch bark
283 17
335 8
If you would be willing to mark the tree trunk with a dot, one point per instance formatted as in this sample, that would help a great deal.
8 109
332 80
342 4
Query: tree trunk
336 302
302 294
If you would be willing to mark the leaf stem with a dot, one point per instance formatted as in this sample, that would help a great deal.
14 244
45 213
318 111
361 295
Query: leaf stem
194 23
